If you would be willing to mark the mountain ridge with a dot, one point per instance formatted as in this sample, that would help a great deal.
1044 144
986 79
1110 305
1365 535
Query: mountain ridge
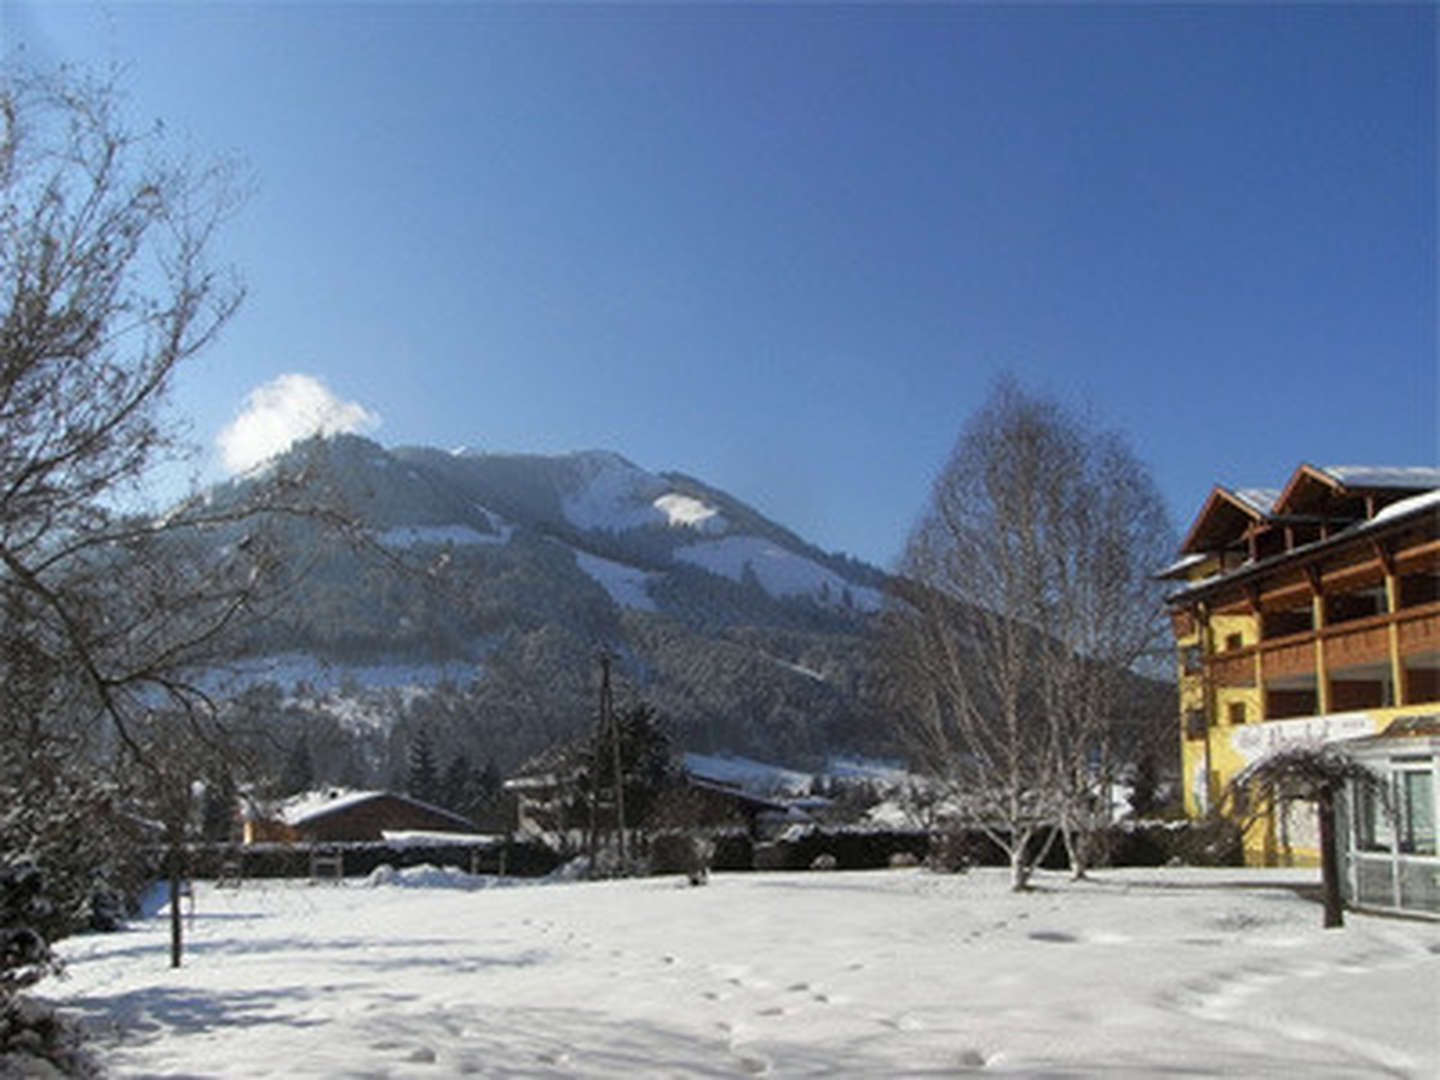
746 637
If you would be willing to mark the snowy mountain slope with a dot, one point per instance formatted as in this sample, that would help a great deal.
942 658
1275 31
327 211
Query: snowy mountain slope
502 575
596 502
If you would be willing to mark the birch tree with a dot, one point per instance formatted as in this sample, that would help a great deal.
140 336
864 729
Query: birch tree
1026 600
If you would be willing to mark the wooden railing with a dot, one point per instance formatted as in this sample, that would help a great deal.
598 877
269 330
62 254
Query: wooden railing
1358 641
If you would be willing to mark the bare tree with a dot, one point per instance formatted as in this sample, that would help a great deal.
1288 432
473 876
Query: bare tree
1026 600
109 615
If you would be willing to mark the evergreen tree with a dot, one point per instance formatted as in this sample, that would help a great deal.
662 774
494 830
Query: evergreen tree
299 772
491 782
647 759
459 788
421 781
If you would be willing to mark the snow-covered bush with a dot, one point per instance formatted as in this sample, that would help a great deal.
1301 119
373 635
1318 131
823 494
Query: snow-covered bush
682 853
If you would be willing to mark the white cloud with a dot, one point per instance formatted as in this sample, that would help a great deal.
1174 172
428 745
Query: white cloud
287 408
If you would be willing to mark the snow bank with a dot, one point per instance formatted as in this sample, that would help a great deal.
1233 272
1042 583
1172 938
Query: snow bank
433 877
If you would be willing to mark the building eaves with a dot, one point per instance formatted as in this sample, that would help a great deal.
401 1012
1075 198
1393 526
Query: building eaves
1392 518
1402 477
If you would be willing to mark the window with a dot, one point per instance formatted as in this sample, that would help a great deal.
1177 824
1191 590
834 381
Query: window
1408 815
1195 723
1237 712
1234 641
1372 820
1415 806
1191 660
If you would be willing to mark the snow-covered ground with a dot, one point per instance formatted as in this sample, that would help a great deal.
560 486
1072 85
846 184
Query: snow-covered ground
892 973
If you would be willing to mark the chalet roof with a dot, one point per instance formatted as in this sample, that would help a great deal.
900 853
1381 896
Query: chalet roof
1400 511
1385 476
1223 517
312 806
1335 493
1261 499
1327 488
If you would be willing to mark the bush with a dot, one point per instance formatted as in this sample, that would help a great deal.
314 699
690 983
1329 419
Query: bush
681 853
35 1042
521 858
1213 842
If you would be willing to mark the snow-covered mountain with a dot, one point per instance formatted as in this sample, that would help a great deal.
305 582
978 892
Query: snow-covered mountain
747 637
625 525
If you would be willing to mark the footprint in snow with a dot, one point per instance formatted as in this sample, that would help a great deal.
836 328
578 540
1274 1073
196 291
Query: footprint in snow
905 1022
754 1065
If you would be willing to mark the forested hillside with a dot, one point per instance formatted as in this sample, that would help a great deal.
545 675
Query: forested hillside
474 596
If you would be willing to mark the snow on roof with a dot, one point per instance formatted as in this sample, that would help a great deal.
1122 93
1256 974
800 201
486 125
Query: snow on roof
1384 476
308 804
1405 507
1185 562
1261 499
750 776
301 809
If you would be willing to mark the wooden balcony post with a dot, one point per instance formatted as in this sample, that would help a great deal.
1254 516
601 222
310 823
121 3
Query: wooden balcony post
1317 616
1392 607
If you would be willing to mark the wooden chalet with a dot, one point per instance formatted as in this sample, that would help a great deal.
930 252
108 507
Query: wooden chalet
335 816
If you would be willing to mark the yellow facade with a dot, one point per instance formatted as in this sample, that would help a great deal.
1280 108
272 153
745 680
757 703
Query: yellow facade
1309 615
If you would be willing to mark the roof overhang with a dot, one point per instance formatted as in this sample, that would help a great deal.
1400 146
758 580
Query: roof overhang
1223 518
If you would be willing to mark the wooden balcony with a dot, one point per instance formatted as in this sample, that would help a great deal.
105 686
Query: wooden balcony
1292 655
1355 643
1234 668
1419 628
1364 641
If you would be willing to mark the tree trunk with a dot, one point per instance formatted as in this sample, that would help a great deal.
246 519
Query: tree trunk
175 928
1330 862
1020 864
1077 850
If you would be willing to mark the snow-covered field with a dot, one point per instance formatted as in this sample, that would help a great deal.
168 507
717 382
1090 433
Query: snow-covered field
891 973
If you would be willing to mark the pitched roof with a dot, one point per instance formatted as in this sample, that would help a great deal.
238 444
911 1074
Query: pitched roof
310 806
1410 477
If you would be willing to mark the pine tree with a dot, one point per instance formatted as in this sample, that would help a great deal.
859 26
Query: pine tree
421 782
491 782
459 788
299 772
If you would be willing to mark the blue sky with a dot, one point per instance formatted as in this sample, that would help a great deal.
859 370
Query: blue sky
788 248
